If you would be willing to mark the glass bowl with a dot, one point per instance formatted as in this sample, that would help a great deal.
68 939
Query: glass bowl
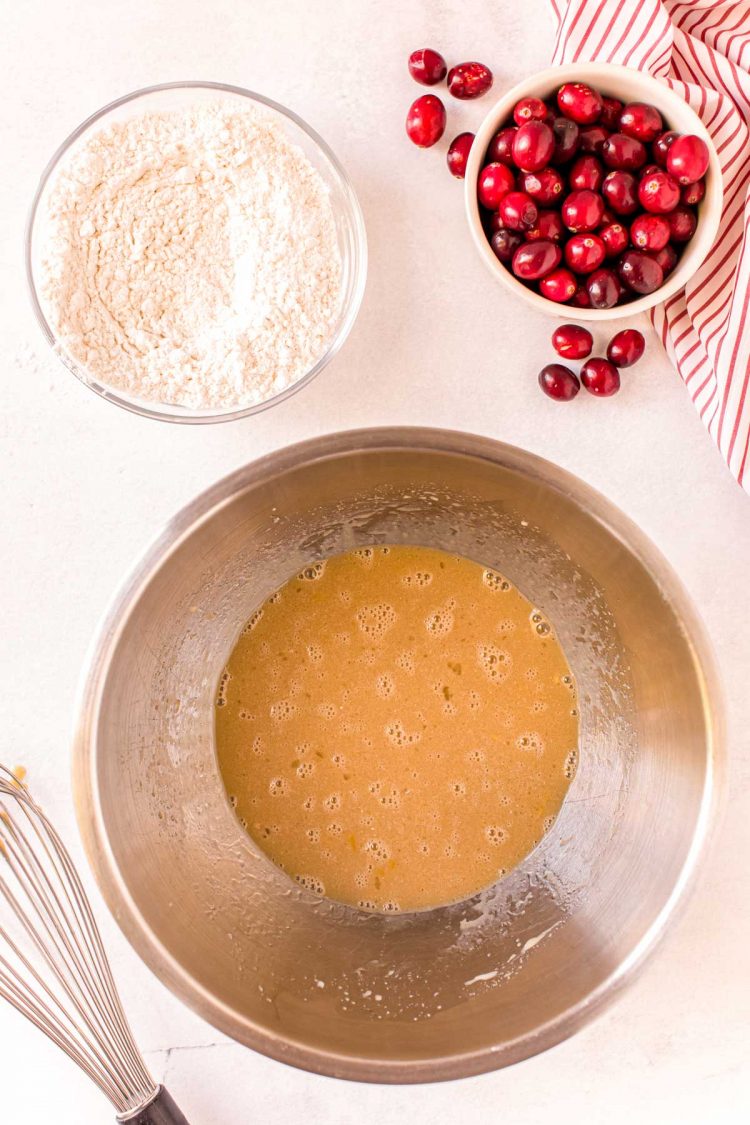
347 215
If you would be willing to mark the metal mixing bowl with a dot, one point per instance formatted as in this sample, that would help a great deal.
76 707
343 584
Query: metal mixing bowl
448 992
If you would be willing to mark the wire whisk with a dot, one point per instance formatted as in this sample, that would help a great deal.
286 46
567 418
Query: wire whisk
53 967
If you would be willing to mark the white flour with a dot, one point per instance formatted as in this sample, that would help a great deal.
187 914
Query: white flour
191 258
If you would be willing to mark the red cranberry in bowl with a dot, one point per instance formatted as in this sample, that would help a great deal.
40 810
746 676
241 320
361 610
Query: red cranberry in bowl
579 102
558 285
427 67
641 121
582 210
571 341
600 377
518 210
529 109
559 382
623 152
580 298
586 172
691 194
659 192
604 289
682 223
533 260
648 170
458 154
687 159
548 224
592 137
584 253
495 181
666 258
649 232
501 146
620 190
492 221
662 145
640 272
533 146
504 243
626 347
469 80
610 114
425 121
566 139
615 238
608 217
545 187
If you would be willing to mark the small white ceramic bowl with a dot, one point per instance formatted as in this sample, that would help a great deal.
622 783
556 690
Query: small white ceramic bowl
629 86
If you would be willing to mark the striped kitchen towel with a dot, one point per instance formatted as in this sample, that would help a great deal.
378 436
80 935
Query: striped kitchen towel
701 49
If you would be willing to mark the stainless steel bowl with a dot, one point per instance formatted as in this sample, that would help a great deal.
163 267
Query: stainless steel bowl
453 991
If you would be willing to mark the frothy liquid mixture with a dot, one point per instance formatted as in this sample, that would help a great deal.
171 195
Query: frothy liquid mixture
397 727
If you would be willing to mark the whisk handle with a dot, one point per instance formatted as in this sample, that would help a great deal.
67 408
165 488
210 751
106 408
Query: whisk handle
161 1111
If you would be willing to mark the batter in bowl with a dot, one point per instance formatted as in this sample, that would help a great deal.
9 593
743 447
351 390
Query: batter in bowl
397 727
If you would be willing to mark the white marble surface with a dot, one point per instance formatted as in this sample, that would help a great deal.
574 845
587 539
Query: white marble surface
85 486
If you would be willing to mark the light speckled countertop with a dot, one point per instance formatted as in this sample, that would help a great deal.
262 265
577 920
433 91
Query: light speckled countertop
85 487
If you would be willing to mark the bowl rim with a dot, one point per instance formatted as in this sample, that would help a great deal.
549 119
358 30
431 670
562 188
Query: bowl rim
606 74
346 318
84 756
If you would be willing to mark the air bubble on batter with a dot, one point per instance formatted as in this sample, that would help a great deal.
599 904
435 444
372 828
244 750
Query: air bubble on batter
375 620
366 555
571 763
258 745
418 580
315 653
252 622
494 581
345 596
332 802
326 710
342 638
384 685
532 742
311 883
305 769
246 715
540 625
495 834
440 622
339 761
406 662
391 907
548 822
233 800
312 573
308 804
397 735
538 706
334 828
275 598
283 710
457 788
221 695
313 835
362 878
423 847
377 848
278 786
367 904
495 662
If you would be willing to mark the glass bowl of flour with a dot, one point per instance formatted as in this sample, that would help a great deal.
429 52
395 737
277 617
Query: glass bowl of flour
195 252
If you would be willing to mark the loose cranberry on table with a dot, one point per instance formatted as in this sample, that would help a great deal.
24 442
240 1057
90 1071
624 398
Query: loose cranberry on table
566 139
641 121
458 154
661 146
640 272
584 253
528 109
533 146
425 121
604 289
544 187
504 243
579 102
687 159
626 347
533 260
623 152
558 285
682 224
620 190
559 382
571 341
659 192
427 66
517 209
615 238
501 146
582 211
586 172
548 224
469 80
495 181
610 115
650 232
600 377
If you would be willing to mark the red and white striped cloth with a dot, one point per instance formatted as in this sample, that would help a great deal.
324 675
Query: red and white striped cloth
701 49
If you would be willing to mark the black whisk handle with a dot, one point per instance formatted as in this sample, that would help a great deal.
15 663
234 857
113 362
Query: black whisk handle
162 1110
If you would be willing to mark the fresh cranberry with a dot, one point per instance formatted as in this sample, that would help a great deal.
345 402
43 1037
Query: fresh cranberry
608 217
600 377
559 382
544 187
626 347
615 238
610 114
582 210
566 139
558 285
533 260
493 222
649 232
666 258
580 298
533 146
579 102
661 146
529 109
586 172
641 121
659 192
469 80
571 341
682 223
504 243
495 181
548 224
427 67
623 152
648 170
458 154
584 253
687 159
425 121
640 272
591 138
501 146
604 289
518 210
693 193
620 189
